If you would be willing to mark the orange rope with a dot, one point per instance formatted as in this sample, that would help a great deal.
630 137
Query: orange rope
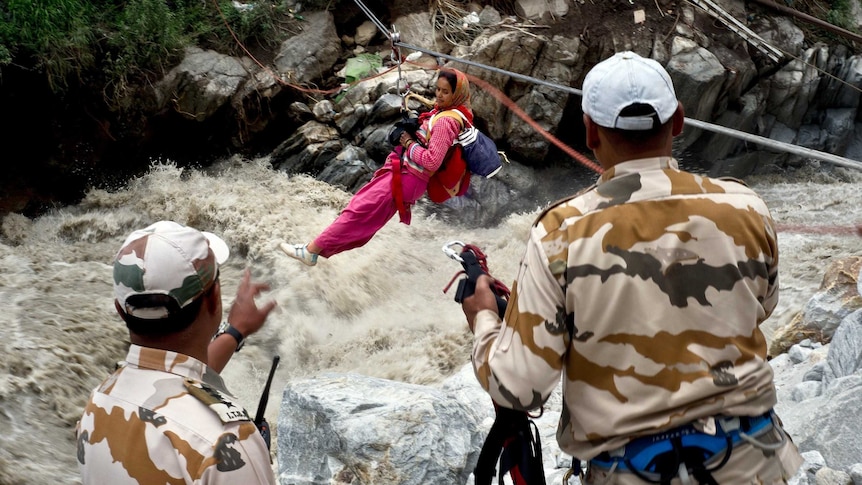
507 102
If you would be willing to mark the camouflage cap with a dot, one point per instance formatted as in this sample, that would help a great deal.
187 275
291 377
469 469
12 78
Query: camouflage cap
165 266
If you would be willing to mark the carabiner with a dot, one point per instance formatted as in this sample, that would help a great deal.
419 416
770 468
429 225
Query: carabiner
396 56
448 251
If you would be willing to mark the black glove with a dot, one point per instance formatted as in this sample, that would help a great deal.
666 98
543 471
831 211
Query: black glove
408 124
395 135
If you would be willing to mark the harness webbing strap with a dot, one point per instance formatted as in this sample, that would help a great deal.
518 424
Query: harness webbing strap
685 451
398 192
491 449
514 439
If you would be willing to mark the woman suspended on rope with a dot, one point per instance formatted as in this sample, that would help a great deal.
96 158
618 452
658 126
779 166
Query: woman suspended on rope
405 176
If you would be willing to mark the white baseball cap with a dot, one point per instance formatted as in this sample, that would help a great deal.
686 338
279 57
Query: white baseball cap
627 80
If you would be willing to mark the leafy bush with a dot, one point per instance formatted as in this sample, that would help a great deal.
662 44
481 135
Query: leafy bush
51 35
119 41
840 14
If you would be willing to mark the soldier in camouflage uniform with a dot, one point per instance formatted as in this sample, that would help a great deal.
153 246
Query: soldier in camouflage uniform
164 416
645 292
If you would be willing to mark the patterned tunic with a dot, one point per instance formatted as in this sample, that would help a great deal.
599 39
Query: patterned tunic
165 417
662 278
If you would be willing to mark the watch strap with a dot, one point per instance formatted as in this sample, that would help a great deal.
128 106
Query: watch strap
240 340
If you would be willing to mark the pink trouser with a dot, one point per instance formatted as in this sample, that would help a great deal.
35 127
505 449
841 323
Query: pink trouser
369 210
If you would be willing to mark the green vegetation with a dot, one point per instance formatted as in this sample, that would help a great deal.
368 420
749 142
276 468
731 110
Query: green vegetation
114 42
52 36
840 14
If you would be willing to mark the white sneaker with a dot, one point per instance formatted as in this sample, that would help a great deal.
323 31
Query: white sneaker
300 252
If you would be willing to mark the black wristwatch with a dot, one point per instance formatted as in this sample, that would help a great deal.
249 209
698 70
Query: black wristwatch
227 328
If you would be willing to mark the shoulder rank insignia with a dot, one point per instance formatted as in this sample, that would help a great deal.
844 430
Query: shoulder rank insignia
221 404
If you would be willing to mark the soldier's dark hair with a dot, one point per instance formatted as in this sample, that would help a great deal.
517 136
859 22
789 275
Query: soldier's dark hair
640 110
178 319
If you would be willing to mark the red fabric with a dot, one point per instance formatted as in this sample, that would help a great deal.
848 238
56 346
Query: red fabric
397 190
451 180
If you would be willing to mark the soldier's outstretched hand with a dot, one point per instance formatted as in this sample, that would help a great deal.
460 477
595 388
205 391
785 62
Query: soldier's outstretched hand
244 314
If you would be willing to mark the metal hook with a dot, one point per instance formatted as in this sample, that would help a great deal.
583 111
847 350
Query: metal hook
394 38
448 251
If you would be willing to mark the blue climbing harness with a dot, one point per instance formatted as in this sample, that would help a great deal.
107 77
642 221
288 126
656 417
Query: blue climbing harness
685 450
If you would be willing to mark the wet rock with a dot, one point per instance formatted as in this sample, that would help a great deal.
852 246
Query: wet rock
837 297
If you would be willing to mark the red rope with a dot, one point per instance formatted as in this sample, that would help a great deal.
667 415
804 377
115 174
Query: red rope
514 108
517 110
498 286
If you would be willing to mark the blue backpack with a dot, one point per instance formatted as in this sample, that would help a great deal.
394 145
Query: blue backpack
479 151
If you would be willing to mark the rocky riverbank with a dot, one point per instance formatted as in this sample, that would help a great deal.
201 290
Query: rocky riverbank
298 101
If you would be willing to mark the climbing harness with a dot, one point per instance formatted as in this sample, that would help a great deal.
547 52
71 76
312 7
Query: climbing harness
686 451
514 438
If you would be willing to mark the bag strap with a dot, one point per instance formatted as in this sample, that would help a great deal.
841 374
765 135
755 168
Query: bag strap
451 113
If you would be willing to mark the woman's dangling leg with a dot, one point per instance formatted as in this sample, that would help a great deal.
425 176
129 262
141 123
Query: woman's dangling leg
366 213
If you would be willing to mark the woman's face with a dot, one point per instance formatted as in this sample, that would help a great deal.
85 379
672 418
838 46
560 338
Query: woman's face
444 92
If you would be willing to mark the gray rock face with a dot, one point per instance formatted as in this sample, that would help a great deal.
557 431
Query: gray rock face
356 429
845 351
201 84
808 101
307 57
824 416
698 78
837 297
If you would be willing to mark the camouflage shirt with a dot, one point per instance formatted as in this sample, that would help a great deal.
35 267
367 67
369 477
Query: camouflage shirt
645 292
165 417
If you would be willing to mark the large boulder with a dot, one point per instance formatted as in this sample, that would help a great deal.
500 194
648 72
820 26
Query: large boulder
310 55
824 414
793 88
698 78
558 60
308 150
201 84
347 428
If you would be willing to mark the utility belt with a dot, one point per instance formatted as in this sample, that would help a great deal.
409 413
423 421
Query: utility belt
684 450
